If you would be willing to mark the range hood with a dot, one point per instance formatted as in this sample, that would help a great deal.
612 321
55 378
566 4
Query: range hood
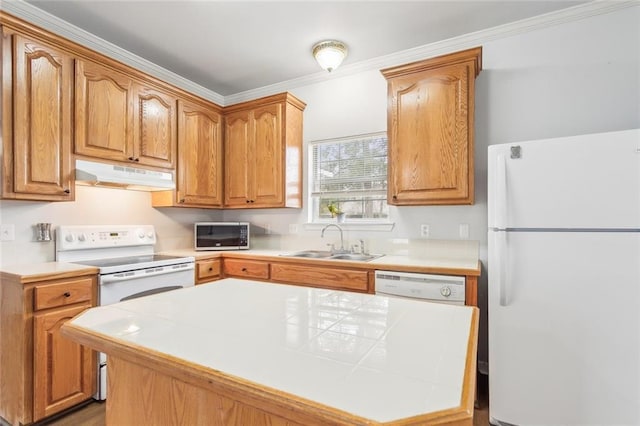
91 173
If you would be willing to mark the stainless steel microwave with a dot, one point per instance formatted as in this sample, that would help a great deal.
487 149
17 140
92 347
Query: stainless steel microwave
221 235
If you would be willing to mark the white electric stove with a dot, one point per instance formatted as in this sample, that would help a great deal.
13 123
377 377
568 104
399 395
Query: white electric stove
128 267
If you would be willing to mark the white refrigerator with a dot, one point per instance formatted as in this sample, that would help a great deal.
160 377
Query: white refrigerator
564 281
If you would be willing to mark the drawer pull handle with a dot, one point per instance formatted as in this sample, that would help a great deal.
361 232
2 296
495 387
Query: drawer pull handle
244 269
67 294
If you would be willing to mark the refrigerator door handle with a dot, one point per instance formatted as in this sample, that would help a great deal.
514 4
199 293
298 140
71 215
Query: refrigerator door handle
500 205
503 266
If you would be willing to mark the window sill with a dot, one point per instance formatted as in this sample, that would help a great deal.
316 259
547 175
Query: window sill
356 226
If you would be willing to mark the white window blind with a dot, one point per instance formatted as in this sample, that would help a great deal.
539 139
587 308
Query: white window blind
350 173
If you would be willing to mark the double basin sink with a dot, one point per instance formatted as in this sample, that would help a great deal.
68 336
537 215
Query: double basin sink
321 254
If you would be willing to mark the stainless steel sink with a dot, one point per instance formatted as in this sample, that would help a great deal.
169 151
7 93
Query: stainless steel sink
320 254
316 254
355 256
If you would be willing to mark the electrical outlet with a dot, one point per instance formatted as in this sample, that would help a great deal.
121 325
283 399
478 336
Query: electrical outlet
293 228
424 231
464 231
7 233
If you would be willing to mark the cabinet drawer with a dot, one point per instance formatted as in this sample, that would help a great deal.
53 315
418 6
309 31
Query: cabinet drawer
61 294
207 270
318 276
246 269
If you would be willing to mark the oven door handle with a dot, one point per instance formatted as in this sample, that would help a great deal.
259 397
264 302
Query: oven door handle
124 276
152 291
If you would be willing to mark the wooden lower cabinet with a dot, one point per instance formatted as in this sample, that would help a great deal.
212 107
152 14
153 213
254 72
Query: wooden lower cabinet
240 268
64 371
208 270
41 372
337 275
321 276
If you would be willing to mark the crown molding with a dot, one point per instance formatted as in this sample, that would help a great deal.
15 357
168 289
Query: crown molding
39 17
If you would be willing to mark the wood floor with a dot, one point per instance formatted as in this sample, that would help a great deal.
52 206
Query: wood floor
92 414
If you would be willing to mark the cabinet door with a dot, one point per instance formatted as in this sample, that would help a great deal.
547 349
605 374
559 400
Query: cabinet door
238 170
154 128
207 270
104 115
268 153
42 82
430 148
241 268
199 156
64 372
320 276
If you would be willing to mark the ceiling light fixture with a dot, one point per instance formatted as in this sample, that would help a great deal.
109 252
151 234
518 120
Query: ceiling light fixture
329 54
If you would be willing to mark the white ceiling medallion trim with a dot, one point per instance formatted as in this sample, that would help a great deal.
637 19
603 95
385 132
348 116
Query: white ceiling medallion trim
39 17
441 47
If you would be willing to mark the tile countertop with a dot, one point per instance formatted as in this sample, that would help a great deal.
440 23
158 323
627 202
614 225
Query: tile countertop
468 265
30 272
376 357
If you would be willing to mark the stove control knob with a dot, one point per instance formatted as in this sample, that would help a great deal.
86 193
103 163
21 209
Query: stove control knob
150 235
82 237
141 234
69 238
445 291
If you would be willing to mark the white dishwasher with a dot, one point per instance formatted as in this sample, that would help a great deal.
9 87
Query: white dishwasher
428 287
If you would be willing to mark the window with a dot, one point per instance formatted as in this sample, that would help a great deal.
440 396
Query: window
350 173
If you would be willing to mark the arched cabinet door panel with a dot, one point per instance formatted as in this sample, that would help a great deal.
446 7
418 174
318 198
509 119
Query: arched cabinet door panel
431 128
37 104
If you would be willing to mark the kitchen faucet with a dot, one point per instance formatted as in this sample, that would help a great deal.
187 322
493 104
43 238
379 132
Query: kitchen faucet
342 250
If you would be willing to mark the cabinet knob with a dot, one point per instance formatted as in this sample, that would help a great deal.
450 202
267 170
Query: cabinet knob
131 158
67 191
181 200
136 160
395 197
248 201
210 269
67 294
244 269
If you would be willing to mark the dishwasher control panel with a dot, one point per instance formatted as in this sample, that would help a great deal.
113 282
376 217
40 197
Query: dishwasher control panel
428 287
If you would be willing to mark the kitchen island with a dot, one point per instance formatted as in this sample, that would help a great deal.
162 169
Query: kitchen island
248 352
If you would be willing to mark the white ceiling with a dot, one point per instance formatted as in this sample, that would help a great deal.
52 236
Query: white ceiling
235 46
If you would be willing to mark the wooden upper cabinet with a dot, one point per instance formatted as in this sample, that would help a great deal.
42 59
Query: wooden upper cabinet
199 174
120 119
268 152
155 128
431 130
104 112
263 153
238 132
37 114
